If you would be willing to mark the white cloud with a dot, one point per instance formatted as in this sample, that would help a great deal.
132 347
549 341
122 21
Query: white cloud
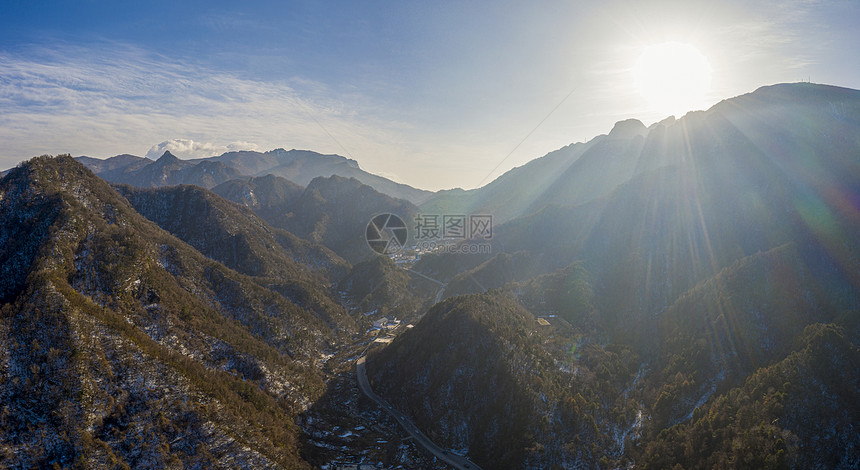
187 148
446 127
119 99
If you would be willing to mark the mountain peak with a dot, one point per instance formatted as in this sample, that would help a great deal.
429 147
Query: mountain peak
167 157
627 129
796 94
53 170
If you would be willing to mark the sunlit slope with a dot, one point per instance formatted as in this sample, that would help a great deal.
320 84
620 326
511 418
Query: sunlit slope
118 338
797 413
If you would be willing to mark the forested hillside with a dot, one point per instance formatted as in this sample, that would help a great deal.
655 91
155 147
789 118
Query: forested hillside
122 345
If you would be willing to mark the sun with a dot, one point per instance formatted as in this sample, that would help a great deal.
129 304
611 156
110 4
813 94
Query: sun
673 77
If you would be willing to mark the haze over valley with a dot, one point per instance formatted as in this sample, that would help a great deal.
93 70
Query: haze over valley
451 236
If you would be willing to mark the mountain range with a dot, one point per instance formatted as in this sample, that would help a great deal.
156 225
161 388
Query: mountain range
679 295
297 166
733 237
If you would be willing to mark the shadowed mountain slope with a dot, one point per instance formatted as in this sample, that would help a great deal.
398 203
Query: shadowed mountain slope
796 127
243 242
688 306
333 212
718 186
267 195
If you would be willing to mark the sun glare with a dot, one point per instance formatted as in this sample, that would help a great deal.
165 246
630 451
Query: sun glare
673 77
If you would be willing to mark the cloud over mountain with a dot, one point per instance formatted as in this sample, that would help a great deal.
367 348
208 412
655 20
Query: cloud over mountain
187 148
71 99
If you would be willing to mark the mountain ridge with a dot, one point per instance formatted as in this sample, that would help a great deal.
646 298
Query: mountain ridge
148 327
298 166
682 294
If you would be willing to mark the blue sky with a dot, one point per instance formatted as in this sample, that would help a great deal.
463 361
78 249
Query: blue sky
432 94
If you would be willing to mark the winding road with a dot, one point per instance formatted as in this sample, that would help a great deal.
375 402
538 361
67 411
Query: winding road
454 460
441 291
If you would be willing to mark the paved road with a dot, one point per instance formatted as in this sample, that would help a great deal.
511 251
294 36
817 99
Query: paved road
427 277
456 461
440 294
442 284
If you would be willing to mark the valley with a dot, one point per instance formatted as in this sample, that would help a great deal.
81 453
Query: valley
681 295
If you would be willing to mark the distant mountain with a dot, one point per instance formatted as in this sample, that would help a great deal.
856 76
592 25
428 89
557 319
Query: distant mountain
572 175
268 196
167 171
268 193
707 193
685 294
98 165
782 121
335 212
298 166
332 211
122 344
509 195
302 166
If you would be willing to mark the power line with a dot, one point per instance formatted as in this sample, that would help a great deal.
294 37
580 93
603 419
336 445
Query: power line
329 134
526 137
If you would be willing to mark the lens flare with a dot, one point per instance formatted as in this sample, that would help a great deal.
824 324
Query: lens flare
673 77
